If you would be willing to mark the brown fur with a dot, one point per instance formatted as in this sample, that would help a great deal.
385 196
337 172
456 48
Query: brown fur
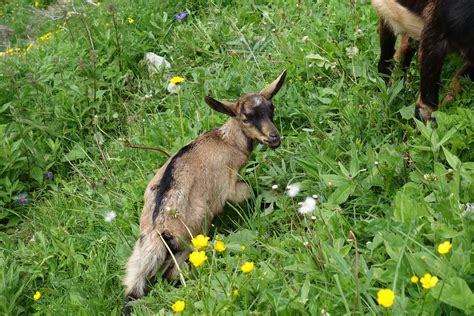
204 177
441 27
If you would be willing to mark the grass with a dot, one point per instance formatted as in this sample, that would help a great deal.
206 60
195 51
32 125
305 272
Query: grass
390 189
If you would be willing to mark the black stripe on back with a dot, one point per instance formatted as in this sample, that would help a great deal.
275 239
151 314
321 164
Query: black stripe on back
167 180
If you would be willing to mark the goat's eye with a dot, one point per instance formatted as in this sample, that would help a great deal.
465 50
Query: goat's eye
245 120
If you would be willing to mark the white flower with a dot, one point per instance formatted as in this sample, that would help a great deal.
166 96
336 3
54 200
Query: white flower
173 88
308 206
274 187
293 189
305 243
313 218
315 196
324 313
110 216
156 63
305 38
352 51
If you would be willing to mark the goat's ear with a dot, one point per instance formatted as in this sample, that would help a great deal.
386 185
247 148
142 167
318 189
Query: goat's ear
274 87
225 107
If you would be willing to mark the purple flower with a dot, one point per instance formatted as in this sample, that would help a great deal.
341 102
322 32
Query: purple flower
433 119
180 16
49 175
21 199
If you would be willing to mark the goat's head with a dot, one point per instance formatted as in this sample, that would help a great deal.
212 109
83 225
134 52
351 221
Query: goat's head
254 112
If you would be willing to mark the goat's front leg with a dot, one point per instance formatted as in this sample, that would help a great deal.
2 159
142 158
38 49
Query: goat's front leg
432 52
239 193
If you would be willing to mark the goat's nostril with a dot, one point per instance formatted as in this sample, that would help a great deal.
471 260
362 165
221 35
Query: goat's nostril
274 136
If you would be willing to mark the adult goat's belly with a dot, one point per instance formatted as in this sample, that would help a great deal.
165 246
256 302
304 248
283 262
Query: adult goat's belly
400 19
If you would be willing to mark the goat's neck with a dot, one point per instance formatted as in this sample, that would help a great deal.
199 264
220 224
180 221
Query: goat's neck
233 135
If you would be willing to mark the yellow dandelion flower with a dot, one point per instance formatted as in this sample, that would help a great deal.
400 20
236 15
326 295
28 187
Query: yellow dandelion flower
46 36
130 20
243 248
200 241
178 306
247 267
37 296
385 297
13 51
444 247
197 258
219 246
414 279
37 4
236 293
428 281
177 79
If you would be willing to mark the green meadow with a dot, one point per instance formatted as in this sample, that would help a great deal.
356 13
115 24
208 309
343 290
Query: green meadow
76 98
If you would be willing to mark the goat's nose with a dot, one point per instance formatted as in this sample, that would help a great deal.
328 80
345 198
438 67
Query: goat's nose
274 136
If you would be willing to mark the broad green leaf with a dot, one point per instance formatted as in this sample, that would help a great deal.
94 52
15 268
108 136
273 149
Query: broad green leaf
37 174
342 193
453 161
409 204
456 293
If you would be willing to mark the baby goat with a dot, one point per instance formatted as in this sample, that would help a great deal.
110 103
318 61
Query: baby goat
441 26
192 187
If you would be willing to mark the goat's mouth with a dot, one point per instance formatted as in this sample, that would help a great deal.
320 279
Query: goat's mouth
272 143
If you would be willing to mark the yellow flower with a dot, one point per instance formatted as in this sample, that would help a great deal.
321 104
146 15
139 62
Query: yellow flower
243 248
178 306
428 281
197 258
37 296
219 246
200 241
247 267
385 297
37 4
13 51
444 247
45 37
423 258
414 279
236 293
130 20
177 79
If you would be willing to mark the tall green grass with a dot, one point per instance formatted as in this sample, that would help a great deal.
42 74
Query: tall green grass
389 189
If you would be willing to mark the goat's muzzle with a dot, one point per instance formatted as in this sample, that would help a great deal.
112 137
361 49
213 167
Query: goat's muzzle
273 140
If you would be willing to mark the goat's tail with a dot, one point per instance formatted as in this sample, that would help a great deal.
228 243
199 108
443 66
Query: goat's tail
148 256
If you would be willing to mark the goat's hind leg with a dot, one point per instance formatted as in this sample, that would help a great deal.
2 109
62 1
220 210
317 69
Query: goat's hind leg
387 48
466 70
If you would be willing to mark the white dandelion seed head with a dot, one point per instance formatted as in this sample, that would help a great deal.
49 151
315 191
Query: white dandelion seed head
324 313
274 187
110 216
173 88
308 206
293 189
352 51
305 39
